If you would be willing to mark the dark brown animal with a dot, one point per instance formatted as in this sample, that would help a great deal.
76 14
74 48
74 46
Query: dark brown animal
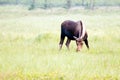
73 31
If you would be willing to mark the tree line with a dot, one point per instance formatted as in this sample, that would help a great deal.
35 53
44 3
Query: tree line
90 4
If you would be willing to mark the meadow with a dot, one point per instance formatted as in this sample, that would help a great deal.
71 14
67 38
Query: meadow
29 45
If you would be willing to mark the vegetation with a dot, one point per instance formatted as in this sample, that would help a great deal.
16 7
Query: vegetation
29 45
90 4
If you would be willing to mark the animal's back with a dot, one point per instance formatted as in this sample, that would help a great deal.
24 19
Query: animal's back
69 25
68 28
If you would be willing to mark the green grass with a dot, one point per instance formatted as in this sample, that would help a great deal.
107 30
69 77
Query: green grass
29 45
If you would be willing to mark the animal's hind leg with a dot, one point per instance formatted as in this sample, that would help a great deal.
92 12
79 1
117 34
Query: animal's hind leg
61 41
86 42
68 43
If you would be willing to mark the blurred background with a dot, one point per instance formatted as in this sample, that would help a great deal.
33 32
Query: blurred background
30 35
45 4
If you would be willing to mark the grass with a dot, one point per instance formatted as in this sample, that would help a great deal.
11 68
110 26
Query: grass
29 45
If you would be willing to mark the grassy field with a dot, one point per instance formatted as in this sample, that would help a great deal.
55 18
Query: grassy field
29 45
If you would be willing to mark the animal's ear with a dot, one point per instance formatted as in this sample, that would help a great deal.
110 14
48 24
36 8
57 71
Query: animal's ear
80 39
75 37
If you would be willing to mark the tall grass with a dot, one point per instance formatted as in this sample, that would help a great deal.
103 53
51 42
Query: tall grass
29 46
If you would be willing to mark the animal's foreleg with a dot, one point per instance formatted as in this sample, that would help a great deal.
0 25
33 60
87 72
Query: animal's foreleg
86 42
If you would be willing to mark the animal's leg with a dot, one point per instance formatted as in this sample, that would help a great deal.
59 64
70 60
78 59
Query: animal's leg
61 41
86 42
68 42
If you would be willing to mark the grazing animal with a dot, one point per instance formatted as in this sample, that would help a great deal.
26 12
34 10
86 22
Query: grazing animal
73 31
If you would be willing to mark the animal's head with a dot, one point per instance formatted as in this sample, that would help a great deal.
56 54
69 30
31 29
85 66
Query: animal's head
79 43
